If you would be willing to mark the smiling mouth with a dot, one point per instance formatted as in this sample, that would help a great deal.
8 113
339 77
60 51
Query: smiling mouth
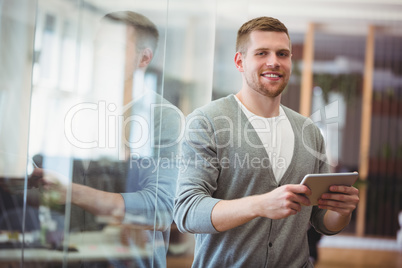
272 75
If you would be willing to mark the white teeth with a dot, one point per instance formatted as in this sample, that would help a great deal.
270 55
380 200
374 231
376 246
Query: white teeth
271 75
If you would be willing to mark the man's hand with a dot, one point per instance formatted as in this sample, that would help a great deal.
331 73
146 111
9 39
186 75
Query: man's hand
94 201
284 201
53 184
341 199
280 203
340 203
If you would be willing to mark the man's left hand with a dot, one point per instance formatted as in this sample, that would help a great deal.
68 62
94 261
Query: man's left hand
341 199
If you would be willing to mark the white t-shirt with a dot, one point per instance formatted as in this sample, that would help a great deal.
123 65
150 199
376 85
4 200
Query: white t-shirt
277 137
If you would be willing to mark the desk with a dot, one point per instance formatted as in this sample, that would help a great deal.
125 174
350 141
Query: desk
96 246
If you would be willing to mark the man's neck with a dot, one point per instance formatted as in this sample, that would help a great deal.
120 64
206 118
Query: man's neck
258 104
134 86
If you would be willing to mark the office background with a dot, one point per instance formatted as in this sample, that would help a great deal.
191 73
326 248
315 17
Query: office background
347 75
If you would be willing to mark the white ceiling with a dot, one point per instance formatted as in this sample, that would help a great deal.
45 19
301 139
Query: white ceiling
346 16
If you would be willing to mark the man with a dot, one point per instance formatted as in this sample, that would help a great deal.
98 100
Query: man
245 157
138 189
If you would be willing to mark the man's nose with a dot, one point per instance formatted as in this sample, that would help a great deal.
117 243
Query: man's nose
272 61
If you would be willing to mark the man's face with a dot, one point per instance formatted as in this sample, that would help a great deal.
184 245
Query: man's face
267 64
132 55
116 49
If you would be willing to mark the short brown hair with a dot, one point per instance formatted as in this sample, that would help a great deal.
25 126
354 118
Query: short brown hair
147 33
267 24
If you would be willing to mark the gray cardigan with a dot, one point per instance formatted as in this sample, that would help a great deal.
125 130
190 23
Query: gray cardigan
223 159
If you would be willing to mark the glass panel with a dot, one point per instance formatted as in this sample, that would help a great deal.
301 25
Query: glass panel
17 22
227 79
103 137
189 76
190 52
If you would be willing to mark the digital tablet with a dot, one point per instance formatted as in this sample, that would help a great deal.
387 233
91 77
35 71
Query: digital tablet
320 183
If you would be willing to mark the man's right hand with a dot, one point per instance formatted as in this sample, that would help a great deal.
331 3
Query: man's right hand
52 183
284 201
280 203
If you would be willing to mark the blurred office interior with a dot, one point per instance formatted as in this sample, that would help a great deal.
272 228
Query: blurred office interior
347 75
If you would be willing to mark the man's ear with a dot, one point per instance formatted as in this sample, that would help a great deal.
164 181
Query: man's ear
146 57
238 59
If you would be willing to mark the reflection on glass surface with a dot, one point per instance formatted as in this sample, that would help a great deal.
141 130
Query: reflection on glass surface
104 139
16 39
122 183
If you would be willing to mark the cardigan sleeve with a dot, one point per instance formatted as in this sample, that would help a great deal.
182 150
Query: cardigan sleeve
198 176
151 181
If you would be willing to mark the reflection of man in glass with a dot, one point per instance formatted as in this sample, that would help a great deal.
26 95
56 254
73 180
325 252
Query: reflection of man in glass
138 190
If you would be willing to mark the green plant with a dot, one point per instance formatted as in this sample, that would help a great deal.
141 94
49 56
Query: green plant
347 84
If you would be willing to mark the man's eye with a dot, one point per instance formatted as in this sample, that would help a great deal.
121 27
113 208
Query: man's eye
283 54
261 53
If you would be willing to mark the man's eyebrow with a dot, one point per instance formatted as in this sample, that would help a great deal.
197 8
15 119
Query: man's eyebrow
265 49
285 50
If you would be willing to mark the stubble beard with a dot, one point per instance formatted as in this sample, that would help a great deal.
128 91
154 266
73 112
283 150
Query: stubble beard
264 90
